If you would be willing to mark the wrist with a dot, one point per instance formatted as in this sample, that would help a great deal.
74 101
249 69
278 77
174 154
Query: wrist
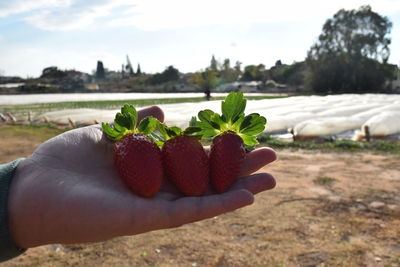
8 248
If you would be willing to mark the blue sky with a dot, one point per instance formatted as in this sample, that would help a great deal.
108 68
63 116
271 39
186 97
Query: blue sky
74 34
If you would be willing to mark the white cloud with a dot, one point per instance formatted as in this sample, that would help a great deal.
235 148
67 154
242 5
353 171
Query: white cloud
76 15
172 14
288 42
19 6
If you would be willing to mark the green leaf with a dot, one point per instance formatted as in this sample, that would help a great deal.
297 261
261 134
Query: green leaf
216 122
148 125
129 109
236 126
232 119
174 131
211 118
253 124
158 139
207 131
125 120
162 128
118 127
233 106
127 117
205 115
249 140
246 122
168 132
192 130
111 132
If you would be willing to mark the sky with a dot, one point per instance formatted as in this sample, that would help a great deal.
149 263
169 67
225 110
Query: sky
75 34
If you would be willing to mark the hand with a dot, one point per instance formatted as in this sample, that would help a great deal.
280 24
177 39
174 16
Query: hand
68 191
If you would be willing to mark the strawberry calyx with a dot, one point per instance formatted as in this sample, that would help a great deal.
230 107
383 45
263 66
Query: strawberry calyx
125 123
166 133
232 120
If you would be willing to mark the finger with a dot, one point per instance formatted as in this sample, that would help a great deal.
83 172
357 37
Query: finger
153 111
257 159
191 209
255 183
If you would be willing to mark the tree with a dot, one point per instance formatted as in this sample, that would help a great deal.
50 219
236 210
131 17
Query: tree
238 65
123 71
351 53
129 67
255 73
100 73
227 73
288 74
214 64
171 74
138 70
227 64
168 75
53 73
206 80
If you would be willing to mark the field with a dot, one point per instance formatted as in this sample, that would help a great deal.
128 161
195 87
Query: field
345 116
331 207
39 108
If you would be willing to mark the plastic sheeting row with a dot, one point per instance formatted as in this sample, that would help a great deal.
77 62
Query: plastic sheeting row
308 116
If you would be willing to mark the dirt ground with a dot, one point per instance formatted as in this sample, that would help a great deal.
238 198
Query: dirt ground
328 209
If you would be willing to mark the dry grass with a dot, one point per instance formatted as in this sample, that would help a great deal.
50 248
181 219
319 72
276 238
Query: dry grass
355 221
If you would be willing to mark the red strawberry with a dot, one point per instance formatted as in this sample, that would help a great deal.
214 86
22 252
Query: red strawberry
233 133
226 159
186 164
138 161
137 157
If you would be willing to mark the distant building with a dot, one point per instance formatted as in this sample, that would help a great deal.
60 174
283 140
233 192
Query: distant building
249 87
78 76
186 88
65 80
92 86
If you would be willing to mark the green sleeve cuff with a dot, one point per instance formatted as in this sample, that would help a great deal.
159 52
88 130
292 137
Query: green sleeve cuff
8 250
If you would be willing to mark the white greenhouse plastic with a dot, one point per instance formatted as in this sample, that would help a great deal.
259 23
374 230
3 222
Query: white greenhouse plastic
384 124
308 116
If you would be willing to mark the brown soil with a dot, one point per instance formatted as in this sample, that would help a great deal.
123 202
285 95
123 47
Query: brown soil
328 209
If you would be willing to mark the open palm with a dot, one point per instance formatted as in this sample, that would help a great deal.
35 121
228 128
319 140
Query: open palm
68 191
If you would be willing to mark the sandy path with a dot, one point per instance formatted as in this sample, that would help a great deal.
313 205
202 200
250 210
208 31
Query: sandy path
328 209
